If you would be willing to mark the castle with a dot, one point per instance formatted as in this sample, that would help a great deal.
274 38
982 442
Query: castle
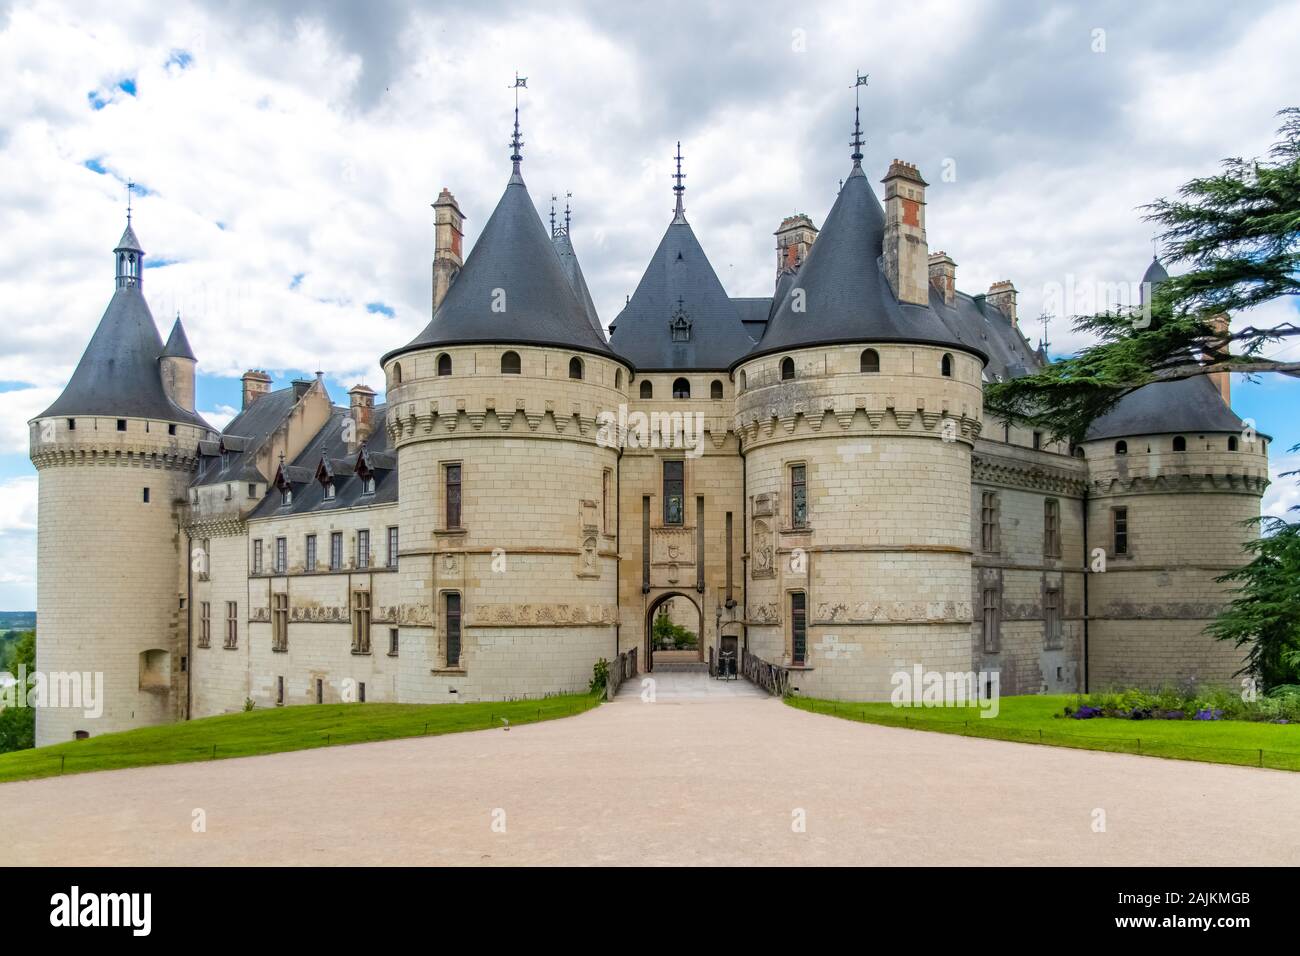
809 478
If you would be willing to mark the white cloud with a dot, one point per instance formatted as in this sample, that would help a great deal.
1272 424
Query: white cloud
1284 492
18 544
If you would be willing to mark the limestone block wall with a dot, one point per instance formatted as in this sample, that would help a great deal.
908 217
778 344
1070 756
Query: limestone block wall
108 592
885 558
533 559
1187 515
1028 659
218 674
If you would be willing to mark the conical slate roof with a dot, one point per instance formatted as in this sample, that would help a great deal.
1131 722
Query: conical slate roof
178 344
846 297
118 374
128 241
513 268
679 279
569 259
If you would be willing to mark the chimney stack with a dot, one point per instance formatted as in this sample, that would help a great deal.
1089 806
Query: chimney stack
794 238
1220 348
943 276
1003 295
906 254
448 229
363 414
256 384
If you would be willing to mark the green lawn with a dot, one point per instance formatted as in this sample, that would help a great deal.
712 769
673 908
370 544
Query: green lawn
1033 719
278 729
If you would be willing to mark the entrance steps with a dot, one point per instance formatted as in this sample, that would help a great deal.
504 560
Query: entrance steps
680 667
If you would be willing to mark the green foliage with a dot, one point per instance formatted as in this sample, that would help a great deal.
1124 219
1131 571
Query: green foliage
599 676
248 704
670 636
1183 703
18 724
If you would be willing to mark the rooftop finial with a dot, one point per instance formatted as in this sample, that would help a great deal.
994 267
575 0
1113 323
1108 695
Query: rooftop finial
516 144
567 197
130 188
553 232
857 124
680 214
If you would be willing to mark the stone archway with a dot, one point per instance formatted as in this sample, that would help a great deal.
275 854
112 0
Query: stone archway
680 636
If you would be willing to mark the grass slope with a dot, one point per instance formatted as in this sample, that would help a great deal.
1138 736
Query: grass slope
1034 719
279 729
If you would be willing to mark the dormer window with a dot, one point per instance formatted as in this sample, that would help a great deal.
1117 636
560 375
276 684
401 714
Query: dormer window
368 485
679 325
329 491
286 497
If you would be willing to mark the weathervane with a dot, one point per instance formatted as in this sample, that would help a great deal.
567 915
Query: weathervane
516 144
680 214
553 232
857 125
130 188
567 197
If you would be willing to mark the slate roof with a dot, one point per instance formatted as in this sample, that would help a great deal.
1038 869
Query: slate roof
118 373
754 312
569 259
327 452
985 328
234 456
846 295
514 254
178 343
679 273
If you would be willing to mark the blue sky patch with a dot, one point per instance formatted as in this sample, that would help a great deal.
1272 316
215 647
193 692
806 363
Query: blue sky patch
180 59
127 86
297 280
95 166
380 307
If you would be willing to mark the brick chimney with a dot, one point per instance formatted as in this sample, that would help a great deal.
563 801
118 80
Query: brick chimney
794 238
363 414
1220 348
943 276
448 230
1003 295
906 254
256 384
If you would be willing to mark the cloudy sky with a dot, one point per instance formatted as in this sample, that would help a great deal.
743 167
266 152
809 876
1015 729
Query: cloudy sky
288 152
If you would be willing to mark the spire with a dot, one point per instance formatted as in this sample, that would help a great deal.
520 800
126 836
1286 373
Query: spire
129 257
178 343
553 232
567 197
856 155
516 143
679 216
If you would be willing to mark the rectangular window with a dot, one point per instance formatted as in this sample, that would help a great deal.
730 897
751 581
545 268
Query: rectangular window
320 691
674 492
310 564
1052 528
146 496
1119 518
361 692
252 491
607 500
1052 619
989 522
257 556
281 555
336 551
279 622
453 629
360 622
392 547
798 496
205 624
121 424
798 628
279 690
232 624
451 482
992 620
1038 439
205 559
363 549
392 642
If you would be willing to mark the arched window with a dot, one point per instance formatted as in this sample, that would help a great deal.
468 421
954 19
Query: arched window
715 390
647 390
618 378
742 381
444 364
510 363
397 373
870 361
575 367
1121 448
1180 443
787 369
945 366
681 388
1232 443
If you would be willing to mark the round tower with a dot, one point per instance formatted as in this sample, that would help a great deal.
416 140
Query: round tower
508 504
113 456
858 411
1174 478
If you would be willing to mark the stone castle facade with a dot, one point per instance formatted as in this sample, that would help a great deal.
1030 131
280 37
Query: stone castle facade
811 475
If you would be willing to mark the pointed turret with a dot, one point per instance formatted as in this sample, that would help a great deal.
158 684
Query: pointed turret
176 365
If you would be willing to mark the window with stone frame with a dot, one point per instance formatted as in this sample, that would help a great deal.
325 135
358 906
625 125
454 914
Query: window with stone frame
257 555
451 483
992 619
310 564
205 624
392 547
1052 619
674 488
281 556
280 621
1052 528
607 500
451 627
1119 531
336 550
363 548
232 625
990 521
360 622
799 496
393 641
205 565
798 628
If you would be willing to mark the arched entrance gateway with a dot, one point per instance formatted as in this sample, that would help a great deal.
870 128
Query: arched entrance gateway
674 629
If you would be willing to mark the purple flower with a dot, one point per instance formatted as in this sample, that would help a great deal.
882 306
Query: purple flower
1208 714
1086 713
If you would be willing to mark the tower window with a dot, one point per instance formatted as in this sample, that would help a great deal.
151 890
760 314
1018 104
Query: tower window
618 378
647 390
787 369
451 605
870 361
397 373
171 429
1232 443
121 424
681 388
798 628
715 390
799 496
510 363
1052 528
1180 443
742 381
1038 440
451 478
674 491
392 547
575 367
945 366
992 619
444 364
72 424
146 496
1121 448
1119 526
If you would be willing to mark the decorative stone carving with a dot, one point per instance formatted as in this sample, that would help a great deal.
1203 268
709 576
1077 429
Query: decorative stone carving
764 565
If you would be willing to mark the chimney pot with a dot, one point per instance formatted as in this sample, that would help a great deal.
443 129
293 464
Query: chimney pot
943 276
1002 294
905 252
256 384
